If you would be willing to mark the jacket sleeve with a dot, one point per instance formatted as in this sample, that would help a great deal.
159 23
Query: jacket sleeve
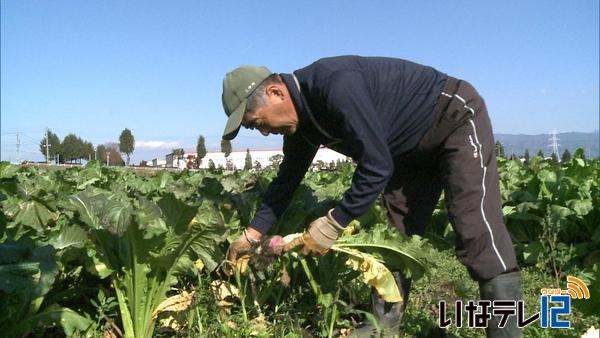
349 96
297 157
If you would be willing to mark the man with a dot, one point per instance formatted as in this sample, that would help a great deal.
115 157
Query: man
413 132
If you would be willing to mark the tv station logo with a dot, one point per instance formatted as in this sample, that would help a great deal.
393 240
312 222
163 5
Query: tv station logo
555 305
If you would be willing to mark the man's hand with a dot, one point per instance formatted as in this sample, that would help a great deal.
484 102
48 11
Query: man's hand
319 237
240 251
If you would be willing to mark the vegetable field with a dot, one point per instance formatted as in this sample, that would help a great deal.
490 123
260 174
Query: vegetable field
106 252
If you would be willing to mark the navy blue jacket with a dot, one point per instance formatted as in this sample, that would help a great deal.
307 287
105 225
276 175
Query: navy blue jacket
371 109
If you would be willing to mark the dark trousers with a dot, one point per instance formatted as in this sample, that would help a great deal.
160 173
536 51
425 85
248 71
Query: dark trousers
456 155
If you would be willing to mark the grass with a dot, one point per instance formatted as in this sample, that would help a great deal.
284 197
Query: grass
298 315
452 282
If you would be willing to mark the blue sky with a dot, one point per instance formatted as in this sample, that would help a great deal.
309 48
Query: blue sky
94 68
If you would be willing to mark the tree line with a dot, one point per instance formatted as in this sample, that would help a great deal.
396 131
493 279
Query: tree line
226 148
74 149
566 155
178 153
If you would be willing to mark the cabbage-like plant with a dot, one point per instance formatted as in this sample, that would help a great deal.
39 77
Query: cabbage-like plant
27 274
141 242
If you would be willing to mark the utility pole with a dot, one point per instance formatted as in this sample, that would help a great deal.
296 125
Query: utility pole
47 152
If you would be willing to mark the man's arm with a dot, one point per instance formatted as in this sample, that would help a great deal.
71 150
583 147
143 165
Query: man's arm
347 95
297 157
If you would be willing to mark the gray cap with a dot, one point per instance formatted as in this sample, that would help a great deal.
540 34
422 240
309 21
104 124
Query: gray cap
238 85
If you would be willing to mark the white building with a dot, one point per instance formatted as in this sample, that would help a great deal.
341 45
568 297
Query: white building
157 163
186 161
326 156
237 159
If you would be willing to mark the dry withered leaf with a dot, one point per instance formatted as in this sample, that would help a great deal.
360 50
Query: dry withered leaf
225 293
176 303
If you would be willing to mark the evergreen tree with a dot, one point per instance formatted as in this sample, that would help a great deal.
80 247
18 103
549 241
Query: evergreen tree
200 150
566 156
248 162
526 156
70 148
499 149
89 151
53 145
540 153
211 165
81 149
126 143
554 158
226 147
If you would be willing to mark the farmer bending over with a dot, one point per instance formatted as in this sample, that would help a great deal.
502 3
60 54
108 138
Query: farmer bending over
413 131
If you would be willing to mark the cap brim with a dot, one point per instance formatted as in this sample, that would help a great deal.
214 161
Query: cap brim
234 122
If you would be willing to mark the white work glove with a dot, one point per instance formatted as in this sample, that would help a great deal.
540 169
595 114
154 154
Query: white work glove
319 237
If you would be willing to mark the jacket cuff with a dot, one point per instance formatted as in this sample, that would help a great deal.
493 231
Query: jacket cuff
261 225
342 217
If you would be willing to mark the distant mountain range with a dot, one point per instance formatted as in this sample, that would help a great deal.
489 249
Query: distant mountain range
512 143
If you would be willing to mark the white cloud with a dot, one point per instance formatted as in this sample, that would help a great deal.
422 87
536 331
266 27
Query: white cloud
157 144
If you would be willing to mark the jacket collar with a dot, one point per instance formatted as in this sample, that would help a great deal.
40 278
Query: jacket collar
306 117
302 108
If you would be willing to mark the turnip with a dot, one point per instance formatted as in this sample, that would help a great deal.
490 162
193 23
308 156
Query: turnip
276 245
271 246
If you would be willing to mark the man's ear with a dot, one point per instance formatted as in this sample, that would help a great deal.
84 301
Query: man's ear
275 90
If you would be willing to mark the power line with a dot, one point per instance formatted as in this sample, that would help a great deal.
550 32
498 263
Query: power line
29 152
27 135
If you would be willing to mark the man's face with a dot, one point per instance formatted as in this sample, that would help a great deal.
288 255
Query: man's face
277 116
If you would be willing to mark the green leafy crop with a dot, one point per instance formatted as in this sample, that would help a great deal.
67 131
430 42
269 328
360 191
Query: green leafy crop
141 242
